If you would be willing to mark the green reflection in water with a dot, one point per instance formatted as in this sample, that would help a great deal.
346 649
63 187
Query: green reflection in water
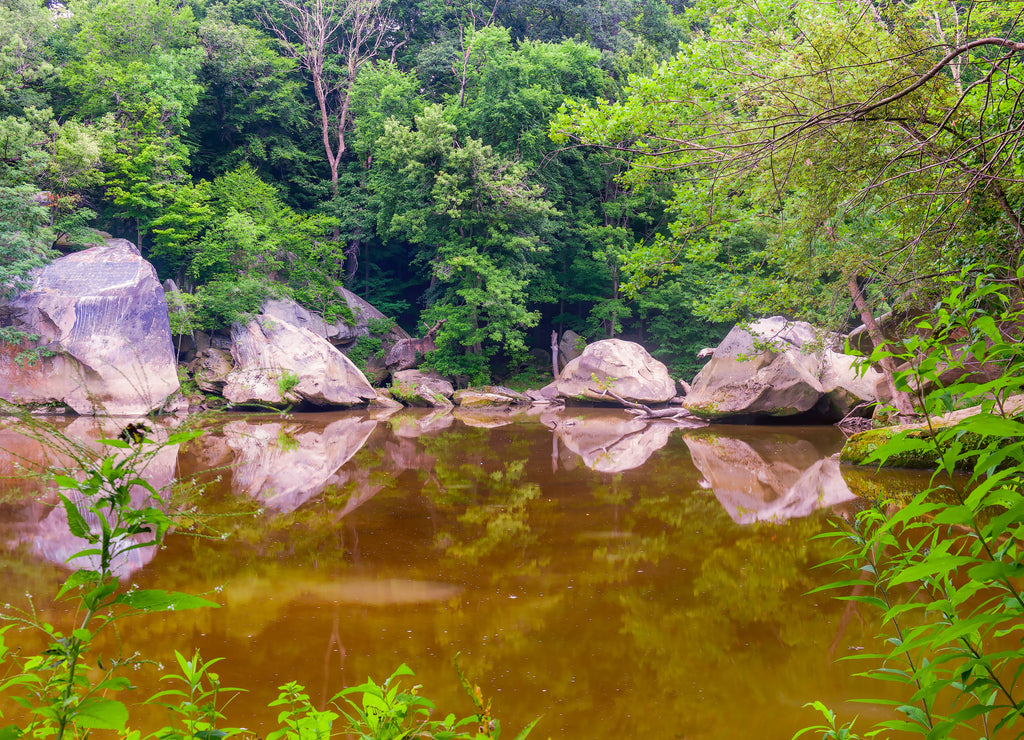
587 569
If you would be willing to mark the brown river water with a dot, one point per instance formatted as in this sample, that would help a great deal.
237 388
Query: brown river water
617 578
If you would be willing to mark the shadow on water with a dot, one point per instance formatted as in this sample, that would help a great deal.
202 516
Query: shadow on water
619 577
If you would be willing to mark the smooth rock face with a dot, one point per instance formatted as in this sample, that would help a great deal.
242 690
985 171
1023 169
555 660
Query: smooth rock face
625 368
340 332
267 352
778 368
104 312
568 348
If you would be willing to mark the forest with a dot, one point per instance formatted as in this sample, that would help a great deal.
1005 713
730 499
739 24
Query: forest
644 169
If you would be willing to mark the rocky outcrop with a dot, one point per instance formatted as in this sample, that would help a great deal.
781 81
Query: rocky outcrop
491 396
779 368
341 332
613 367
415 388
276 363
101 318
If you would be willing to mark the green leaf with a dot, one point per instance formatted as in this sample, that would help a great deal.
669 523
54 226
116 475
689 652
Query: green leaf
152 600
11 732
101 714
76 522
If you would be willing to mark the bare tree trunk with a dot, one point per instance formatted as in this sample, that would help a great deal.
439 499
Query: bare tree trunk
901 399
554 354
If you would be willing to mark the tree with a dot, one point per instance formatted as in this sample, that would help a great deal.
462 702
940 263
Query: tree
331 40
478 227
876 144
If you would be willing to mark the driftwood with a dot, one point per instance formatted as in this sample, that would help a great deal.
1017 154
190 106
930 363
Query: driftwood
646 412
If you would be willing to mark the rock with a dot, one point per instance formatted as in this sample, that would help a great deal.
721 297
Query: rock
547 394
385 401
415 388
103 312
490 396
860 446
778 368
343 331
405 354
277 363
210 369
568 348
625 368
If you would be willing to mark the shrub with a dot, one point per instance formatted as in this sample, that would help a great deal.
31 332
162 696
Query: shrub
945 568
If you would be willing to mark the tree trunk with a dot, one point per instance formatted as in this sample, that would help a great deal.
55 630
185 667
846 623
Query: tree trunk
900 399
554 354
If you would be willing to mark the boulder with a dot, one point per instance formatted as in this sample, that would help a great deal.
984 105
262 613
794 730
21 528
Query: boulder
210 369
779 368
343 331
624 368
103 316
405 354
568 348
278 363
415 388
491 396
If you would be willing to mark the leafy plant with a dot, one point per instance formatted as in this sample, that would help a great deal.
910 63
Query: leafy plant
286 382
97 497
945 568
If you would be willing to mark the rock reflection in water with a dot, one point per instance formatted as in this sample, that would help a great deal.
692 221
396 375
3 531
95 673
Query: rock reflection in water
42 522
286 463
608 441
771 477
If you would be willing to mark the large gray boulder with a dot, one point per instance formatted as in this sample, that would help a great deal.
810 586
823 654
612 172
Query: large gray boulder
779 368
623 368
341 332
276 363
103 315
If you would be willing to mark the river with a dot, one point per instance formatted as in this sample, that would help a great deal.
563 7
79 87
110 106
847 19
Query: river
614 577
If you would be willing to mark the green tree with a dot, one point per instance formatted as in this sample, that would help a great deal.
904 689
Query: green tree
477 225
866 140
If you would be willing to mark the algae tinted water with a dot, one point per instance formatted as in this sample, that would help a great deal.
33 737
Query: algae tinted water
618 578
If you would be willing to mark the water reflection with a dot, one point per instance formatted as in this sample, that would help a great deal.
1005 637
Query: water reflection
42 523
767 475
284 464
612 592
608 441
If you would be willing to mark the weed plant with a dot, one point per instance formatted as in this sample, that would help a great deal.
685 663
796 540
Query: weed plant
945 568
69 690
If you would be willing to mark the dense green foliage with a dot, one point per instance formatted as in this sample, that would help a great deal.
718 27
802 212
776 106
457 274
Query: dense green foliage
524 167
404 154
